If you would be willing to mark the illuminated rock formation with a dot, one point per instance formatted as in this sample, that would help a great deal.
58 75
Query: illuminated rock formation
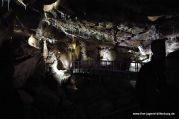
59 75
45 50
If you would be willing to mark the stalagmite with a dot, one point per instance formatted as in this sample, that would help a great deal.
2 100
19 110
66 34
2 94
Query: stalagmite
45 51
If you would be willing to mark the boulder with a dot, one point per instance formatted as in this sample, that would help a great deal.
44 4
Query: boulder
24 70
25 97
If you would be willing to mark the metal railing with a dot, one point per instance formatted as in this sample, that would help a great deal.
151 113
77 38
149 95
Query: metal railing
115 66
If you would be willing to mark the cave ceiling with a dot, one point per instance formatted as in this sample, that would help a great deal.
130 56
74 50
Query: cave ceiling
111 23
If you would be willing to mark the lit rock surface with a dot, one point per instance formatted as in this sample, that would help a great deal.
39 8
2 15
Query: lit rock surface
59 75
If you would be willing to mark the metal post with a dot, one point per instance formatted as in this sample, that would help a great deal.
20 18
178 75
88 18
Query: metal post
113 65
73 68
120 66
78 67
128 65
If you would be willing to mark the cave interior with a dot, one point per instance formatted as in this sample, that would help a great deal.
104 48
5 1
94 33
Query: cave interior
74 59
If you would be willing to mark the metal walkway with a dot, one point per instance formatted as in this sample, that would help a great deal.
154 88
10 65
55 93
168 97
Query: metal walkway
89 65
110 68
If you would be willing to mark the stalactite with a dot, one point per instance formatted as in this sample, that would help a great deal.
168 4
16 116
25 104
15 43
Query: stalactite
40 31
64 16
73 36
55 23
21 1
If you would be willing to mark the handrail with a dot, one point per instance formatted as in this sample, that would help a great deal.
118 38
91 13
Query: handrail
118 66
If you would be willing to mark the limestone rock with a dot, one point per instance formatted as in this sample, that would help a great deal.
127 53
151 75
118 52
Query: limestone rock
24 70
25 97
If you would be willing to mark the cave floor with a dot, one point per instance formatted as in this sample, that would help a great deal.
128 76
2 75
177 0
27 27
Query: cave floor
104 96
93 96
